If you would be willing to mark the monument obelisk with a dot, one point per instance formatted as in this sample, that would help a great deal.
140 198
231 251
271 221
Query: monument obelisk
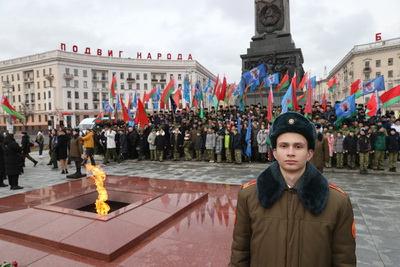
272 44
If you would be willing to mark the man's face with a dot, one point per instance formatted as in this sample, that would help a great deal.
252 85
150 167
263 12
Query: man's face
292 152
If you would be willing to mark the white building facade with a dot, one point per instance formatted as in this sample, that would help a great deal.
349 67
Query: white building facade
42 86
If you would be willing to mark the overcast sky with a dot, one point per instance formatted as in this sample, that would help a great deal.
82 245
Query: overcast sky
215 32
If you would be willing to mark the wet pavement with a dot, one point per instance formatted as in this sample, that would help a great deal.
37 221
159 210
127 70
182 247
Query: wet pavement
375 196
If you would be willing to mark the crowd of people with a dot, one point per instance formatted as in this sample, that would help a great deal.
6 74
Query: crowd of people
219 136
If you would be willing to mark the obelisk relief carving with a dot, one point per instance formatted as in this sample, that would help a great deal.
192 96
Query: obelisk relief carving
272 16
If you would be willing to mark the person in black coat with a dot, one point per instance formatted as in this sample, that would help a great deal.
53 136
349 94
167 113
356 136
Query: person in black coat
143 144
13 161
393 147
123 145
2 167
161 144
350 148
62 151
26 148
133 138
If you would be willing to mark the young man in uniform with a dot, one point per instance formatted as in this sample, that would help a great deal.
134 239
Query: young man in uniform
291 216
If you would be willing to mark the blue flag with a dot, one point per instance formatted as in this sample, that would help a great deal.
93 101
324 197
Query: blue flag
286 99
186 90
134 102
377 84
248 139
347 107
207 86
239 124
118 104
271 79
254 75
107 108
313 81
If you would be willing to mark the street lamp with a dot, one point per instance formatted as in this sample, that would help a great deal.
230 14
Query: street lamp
7 90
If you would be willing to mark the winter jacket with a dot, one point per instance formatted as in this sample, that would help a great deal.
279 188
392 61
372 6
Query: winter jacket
379 141
176 140
262 137
350 144
123 144
219 144
338 144
161 141
12 153
39 138
237 141
76 146
310 225
254 134
151 139
187 141
143 145
331 142
321 152
363 144
62 147
88 140
393 143
25 144
110 135
198 144
210 141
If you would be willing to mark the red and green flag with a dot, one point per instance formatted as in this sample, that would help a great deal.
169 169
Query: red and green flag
222 92
10 110
391 97
125 113
303 81
113 87
168 91
302 98
324 101
372 105
284 82
141 115
177 98
357 88
270 117
332 84
99 117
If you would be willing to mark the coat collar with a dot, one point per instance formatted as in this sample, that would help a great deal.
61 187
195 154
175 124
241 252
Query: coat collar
313 189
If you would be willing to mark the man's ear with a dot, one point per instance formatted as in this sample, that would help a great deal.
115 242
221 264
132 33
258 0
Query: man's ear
310 154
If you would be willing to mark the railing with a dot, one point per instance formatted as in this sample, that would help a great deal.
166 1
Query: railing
68 76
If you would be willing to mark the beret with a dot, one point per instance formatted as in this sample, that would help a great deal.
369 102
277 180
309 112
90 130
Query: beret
293 122
352 130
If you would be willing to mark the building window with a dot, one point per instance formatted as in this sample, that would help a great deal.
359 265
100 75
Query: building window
37 74
145 76
44 84
33 118
19 87
38 96
121 75
84 73
145 86
50 71
390 61
44 72
17 77
390 85
179 77
75 72
367 76
162 86
85 84
122 86
95 106
138 86
49 106
86 106
377 74
76 84
67 83
153 77
129 75
390 74
76 95
85 95
138 76
38 85
45 106
130 86
44 96
40 116
378 63
366 64
66 70
94 85
12 77
103 76
49 94
19 98
69 105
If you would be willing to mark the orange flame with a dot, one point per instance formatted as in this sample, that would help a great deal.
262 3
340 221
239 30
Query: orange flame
99 176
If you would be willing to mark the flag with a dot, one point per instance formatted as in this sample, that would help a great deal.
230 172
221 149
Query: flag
302 98
118 104
356 88
284 82
134 101
177 98
216 85
313 82
286 100
107 108
270 102
99 117
253 76
308 107
332 84
10 110
271 79
207 86
261 86
173 104
186 90
125 114
146 97
231 90
222 93
248 139
141 114
391 97
377 84
294 104
324 101
130 100
345 109
153 93
303 81
113 87
168 91
373 105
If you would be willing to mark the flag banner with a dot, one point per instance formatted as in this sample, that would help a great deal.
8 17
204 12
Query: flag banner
390 97
272 79
302 98
177 98
113 87
173 104
125 114
168 91
134 101
373 105
284 82
356 88
377 84
294 104
303 81
313 82
332 84
308 107
324 101
141 114
286 100
107 107
207 86
270 102
216 85
222 93
254 75
248 139
10 110
186 90
345 109
99 117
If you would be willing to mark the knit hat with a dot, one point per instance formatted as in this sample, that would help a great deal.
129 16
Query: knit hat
293 122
